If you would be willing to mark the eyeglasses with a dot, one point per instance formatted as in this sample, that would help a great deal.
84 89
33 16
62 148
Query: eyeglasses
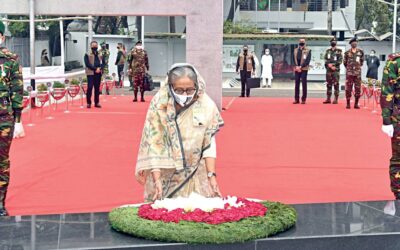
188 91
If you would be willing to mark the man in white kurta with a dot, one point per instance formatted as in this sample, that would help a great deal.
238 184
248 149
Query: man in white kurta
266 62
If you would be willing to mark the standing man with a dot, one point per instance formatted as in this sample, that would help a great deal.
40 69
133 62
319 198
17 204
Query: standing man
373 64
105 53
302 58
130 74
333 60
11 95
120 62
247 65
138 66
390 104
267 62
94 67
353 61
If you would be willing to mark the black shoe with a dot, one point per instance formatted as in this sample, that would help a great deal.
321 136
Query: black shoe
98 106
269 86
327 101
296 102
89 106
348 104
303 102
134 100
241 96
142 100
3 212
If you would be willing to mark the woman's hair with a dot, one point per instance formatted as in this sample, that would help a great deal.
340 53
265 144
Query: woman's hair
183 71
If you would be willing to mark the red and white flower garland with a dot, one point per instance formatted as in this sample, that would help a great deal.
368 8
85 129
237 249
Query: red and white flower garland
200 209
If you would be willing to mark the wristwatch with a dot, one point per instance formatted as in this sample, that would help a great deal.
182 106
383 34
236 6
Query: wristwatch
211 174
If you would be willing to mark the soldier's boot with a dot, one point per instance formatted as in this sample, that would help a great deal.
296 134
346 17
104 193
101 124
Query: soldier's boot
348 104
142 96
328 100
135 96
335 101
356 103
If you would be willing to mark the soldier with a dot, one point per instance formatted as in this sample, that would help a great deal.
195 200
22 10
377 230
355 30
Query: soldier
390 104
130 76
120 62
138 65
245 66
333 60
105 53
11 95
353 61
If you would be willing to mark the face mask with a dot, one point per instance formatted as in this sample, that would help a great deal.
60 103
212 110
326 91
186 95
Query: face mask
182 100
333 44
139 47
245 50
94 49
267 52
354 45
372 54
302 44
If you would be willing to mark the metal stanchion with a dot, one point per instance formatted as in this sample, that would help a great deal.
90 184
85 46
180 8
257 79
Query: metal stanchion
50 117
81 86
114 86
66 82
30 124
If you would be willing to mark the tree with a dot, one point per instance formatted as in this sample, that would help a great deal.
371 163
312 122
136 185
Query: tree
368 11
18 29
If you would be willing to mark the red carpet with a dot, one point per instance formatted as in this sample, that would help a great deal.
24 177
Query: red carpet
269 149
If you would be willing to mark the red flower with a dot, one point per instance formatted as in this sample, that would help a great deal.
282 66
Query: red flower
218 216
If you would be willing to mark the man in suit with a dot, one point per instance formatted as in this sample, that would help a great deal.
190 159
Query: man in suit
302 58
246 64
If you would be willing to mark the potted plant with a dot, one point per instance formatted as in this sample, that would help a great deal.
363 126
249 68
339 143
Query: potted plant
84 85
74 88
58 91
42 93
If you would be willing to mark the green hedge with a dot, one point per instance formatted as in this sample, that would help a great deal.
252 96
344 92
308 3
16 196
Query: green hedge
279 218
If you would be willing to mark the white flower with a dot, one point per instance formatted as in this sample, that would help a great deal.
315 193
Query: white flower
195 201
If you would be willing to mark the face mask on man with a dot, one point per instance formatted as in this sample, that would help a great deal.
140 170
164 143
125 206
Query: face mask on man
267 52
94 49
372 54
139 46
333 44
354 45
301 44
182 100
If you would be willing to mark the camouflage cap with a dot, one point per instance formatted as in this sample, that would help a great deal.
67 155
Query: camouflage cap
2 27
138 42
334 39
354 39
103 43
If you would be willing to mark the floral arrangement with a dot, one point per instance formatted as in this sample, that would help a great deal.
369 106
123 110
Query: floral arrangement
197 208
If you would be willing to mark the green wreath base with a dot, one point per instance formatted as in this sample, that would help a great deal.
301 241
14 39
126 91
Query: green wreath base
279 218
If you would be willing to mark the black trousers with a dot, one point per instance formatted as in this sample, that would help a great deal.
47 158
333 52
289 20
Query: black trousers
244 75
93 81
303 77
120 73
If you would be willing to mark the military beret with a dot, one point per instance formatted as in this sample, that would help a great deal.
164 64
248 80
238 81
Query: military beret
354 39
334 39
2 27
138 42
103 43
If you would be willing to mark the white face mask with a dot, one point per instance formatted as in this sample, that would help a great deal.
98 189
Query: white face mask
372 54
139 47
267 52
182 100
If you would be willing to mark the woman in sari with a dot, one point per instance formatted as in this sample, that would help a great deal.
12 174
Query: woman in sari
178 150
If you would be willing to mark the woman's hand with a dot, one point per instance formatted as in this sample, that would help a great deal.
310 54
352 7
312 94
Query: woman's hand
213 185
158 190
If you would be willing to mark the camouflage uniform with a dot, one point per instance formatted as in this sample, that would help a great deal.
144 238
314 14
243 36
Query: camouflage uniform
390 103
138 65
333 56
105 53
11 96
353 63
130 75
